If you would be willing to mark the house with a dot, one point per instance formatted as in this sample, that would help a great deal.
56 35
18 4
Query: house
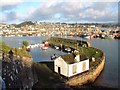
71 64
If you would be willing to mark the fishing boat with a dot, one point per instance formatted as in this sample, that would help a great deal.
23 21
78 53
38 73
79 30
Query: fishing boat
44 46
87 36
53 57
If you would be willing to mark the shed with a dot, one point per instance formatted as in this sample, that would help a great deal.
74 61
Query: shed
70 65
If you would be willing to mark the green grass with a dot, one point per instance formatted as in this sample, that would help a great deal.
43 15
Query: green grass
91 52
21 52
4 47
66 42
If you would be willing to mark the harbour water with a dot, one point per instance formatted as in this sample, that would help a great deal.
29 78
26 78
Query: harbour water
108 77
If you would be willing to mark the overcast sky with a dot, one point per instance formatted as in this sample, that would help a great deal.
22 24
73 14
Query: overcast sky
89 11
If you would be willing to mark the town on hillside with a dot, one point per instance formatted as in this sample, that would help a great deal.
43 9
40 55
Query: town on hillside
29 28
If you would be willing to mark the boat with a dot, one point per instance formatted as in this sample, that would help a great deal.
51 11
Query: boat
87 37
56 47
117 36
53 57
44 48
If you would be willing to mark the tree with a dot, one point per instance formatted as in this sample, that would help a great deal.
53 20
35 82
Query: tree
25 43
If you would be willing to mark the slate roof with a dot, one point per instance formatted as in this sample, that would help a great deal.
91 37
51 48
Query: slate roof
70 58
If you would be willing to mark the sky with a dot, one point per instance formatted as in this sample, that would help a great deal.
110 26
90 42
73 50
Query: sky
70 11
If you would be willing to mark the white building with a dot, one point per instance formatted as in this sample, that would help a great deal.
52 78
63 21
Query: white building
70 65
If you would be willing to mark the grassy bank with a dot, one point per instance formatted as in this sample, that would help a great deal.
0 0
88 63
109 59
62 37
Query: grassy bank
66 42
4 48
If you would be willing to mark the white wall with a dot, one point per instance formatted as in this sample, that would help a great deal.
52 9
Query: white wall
59 62
67 69
87 64
79 68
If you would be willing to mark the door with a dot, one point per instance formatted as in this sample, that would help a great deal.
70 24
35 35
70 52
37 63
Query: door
59 70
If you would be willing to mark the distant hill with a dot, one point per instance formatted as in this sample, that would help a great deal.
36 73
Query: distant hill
25 23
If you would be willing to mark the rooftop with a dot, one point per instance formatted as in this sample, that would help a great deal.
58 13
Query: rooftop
70 58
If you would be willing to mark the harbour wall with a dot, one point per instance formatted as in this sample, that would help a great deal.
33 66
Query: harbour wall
87 77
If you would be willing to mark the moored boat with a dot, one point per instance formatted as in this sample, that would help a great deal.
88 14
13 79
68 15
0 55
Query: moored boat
44 48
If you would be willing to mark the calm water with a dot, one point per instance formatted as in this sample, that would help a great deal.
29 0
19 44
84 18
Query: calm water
108 77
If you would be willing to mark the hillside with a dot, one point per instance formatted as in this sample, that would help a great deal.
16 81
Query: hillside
24 24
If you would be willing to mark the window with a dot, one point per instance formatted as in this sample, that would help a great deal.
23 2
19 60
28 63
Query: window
84 66
74 69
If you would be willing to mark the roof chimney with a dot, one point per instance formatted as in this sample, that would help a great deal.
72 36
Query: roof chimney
77 58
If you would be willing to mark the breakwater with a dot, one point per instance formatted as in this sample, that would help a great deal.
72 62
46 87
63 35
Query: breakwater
67 42
96 65
87 77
